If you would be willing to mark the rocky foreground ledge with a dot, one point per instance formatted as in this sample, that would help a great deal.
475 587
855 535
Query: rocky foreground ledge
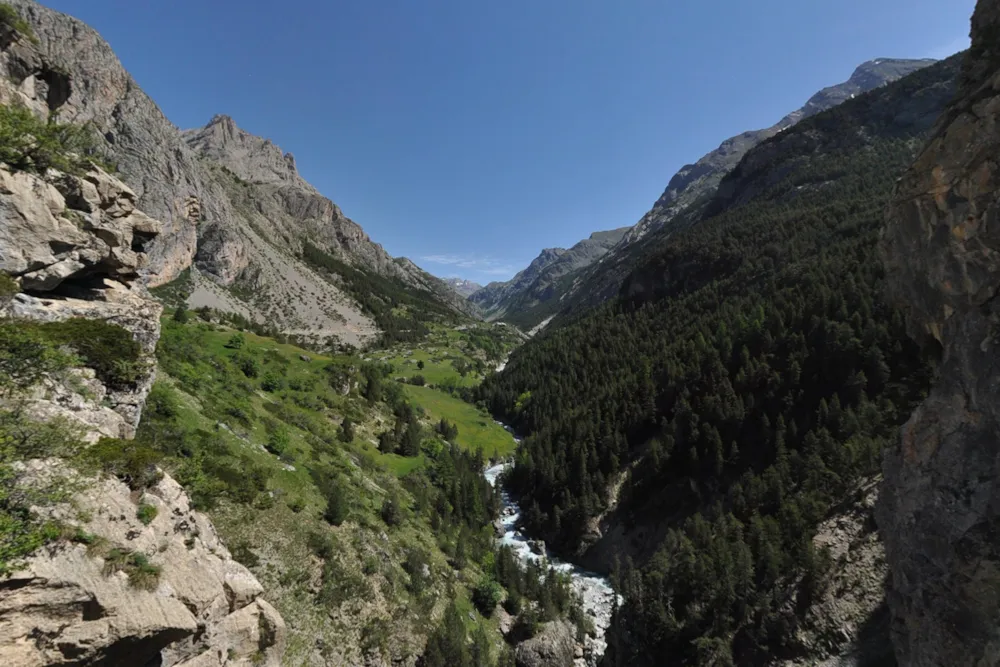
132 587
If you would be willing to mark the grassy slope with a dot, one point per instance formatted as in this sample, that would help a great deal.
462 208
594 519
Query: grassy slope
476 428
378 611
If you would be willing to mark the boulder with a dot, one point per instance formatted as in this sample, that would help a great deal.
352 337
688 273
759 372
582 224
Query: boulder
553 646
68 228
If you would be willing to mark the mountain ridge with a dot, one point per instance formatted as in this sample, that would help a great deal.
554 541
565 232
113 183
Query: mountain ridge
691 187
234 208
533 290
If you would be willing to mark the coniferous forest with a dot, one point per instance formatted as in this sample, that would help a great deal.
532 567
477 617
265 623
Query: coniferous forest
747 378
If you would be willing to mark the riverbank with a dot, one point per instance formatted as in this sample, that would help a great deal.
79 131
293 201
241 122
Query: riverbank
594 590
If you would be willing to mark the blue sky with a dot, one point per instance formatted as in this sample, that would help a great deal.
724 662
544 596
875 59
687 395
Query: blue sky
468 134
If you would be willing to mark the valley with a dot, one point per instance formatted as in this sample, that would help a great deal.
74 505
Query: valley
754 428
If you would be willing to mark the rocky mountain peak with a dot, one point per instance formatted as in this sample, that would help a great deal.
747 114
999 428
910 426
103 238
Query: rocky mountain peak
252 158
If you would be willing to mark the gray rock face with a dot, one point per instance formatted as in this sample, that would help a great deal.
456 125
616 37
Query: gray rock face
465 288
70 228
553 646
94 87
231 203
539 283
77 244
206 609
939 513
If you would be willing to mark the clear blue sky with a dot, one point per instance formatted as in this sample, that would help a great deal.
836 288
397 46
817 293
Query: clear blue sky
468 134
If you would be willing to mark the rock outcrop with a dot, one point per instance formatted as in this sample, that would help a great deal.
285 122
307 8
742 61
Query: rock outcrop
75 604
553 646
76 245
939 509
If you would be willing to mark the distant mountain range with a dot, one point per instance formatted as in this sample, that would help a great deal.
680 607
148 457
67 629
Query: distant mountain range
526 303
465 288
532 293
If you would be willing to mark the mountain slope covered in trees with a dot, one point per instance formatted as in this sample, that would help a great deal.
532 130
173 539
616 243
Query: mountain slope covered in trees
533 294
745 378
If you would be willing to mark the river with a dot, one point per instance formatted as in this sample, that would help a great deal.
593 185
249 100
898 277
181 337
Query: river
594 590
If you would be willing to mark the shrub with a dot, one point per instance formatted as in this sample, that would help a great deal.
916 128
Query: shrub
236 341
9 18
181 315
271 382
337 506
244 555
28 143
249 365
514 603
417 565
129 460
391 513
26 355
347 430
110 350
8 288
146 513
320 544
418 380
487 595
278 442
141 573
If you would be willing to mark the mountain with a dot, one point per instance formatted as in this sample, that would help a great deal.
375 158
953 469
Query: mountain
695 181
715 429
465 288
528 297
691 187
258 239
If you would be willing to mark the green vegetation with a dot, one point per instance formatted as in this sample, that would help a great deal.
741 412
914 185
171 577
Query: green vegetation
25 357
8 288
747 378
400 311
28 143
476 428
10 19
30 350
286 460
141 573
146 513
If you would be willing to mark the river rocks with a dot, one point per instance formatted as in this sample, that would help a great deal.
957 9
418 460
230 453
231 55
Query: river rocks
553 646
594 591
938 512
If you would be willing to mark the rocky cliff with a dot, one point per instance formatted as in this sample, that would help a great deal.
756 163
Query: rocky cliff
938 513
232 204
76 246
